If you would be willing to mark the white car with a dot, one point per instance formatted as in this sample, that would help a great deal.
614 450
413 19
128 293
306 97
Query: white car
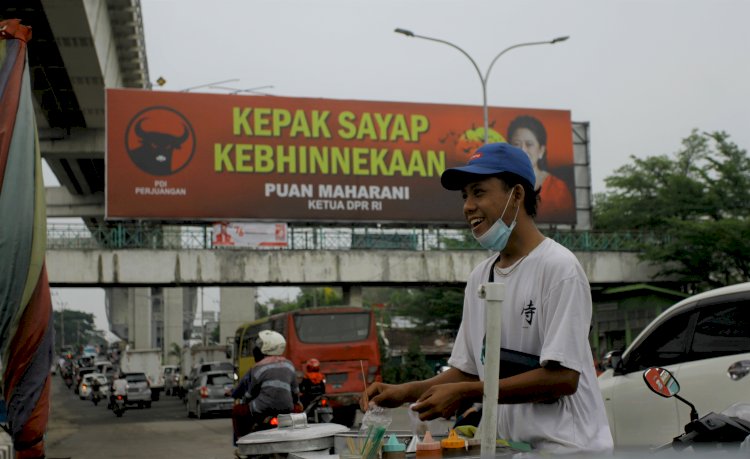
704 341
84 390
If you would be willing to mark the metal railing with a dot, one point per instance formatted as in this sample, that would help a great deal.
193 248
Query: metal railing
170 237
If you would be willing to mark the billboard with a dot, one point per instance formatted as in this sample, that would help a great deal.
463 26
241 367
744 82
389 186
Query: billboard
188 156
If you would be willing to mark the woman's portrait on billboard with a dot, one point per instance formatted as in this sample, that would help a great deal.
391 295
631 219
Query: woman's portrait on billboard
556 199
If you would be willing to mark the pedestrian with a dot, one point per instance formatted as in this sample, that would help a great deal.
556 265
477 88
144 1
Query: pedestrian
556 407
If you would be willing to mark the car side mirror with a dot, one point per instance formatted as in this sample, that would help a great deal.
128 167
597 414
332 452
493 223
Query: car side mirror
661 381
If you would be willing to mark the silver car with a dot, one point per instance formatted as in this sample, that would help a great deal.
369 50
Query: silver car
210 392
139 390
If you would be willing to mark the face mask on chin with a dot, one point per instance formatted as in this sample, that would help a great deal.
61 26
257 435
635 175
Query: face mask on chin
496 238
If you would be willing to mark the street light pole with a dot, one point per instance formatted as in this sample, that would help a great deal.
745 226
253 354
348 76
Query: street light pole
482 78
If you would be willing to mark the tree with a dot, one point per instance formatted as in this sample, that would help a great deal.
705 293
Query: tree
79 329
413 367
433 308
697 200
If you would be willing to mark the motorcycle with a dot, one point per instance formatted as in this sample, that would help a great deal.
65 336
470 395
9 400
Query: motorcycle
725 430
319 410
96 396
118 405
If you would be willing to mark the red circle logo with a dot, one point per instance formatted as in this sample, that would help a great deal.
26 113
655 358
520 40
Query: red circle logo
160 141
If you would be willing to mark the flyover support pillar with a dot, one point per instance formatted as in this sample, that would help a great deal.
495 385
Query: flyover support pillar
237 306
139 325
352 296
175 300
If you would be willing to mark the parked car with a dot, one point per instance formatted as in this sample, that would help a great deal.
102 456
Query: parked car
210 393
139 390
84 389
701 340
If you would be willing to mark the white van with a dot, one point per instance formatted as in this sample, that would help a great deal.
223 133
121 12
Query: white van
703 340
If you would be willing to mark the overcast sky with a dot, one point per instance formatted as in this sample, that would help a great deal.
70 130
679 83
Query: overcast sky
642 73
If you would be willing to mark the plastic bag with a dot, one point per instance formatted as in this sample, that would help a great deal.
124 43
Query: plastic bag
375 423
419 427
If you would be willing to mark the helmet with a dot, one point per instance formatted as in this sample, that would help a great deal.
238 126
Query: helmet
313 366
270 342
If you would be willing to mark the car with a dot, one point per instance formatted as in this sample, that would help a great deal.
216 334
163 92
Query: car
171 374
139 390
84 389
210 392
702 340
80 373
204 367
110 373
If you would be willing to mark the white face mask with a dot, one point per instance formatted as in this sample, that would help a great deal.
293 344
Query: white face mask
496 238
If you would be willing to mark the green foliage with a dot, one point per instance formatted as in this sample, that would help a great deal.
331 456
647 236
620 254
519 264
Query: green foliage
413 367
79 329
699 198
175 351
433 308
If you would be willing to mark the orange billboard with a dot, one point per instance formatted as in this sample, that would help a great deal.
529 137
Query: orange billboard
188 156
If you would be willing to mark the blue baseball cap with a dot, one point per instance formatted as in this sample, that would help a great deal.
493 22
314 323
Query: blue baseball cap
490 159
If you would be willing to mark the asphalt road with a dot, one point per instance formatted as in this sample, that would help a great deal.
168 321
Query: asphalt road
80 430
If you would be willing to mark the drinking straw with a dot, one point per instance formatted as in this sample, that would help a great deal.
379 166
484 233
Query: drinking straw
364 383
350 444
374 438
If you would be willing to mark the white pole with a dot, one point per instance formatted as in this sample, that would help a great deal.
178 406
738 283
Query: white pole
493 294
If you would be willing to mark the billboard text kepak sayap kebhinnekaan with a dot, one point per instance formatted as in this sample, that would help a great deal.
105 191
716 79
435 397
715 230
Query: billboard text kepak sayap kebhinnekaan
187 156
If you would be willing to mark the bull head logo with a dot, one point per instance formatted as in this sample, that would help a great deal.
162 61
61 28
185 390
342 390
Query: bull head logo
157 150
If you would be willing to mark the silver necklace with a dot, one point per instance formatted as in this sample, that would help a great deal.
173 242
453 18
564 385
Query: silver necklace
500 272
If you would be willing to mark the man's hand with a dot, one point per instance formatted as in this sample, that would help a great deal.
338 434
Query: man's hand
386 395
442 400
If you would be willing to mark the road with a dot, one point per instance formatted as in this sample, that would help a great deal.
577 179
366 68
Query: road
80 430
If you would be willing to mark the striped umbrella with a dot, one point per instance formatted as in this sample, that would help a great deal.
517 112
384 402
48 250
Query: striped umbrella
26 330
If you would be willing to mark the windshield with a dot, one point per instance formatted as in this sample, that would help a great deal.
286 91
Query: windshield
332 328
136 377
219 380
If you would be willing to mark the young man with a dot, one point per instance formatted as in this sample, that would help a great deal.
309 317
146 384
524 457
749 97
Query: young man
557 407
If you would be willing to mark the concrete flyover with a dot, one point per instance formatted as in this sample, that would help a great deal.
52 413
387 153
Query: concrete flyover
103 268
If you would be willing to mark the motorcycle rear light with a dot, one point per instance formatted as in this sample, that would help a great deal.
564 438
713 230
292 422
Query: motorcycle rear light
323 402
119 397
274 421
204 392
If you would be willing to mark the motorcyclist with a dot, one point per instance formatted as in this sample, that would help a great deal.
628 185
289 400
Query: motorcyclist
313 383
119 387
96 389
268 388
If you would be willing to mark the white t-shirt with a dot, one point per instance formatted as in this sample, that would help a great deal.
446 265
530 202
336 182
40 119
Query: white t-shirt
546 312
120 387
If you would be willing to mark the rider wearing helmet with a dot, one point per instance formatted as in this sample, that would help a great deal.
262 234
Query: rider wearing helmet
313 382
268 388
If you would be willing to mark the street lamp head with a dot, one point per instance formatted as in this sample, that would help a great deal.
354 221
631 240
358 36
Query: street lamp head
408 33
559 39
